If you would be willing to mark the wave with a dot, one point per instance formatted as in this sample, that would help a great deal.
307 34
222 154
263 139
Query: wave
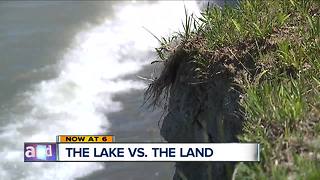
78 100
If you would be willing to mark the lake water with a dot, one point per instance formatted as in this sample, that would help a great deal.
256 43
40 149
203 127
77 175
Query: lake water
70 67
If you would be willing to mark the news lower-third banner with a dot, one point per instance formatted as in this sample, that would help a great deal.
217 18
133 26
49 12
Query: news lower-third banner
98 148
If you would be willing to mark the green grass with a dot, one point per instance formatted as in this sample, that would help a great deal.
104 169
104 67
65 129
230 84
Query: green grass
282 93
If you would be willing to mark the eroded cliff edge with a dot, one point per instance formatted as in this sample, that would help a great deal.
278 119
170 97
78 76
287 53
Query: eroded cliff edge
201 104
201 112
258 62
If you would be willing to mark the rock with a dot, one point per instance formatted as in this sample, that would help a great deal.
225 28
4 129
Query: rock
203 112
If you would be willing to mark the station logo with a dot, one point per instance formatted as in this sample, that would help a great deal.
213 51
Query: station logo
40 152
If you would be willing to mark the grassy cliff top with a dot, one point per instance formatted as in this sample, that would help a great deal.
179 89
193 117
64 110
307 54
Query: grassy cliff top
276 46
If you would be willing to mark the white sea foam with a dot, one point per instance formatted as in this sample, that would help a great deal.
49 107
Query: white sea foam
91 72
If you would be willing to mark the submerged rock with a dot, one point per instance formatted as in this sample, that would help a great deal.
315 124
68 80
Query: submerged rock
220 3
